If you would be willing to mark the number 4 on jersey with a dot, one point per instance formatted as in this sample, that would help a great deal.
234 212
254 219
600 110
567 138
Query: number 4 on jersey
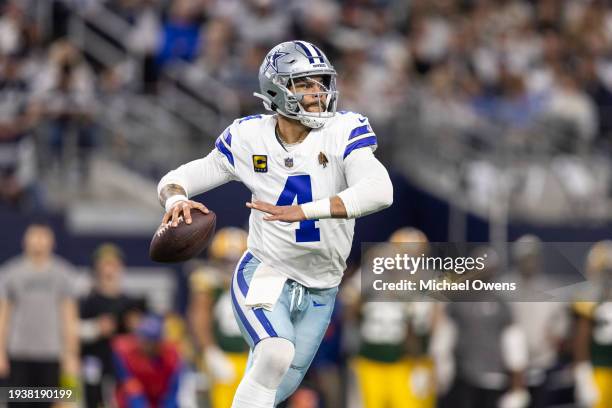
300 187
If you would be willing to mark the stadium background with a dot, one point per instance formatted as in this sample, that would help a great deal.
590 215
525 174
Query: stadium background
492 116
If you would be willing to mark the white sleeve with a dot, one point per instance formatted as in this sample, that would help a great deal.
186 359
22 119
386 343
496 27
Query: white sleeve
200 175
514 348
370 187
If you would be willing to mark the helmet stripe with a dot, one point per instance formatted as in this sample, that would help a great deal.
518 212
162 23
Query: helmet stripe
306 50
312 48
319 53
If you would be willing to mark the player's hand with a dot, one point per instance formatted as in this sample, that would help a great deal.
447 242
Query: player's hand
518 398
71 364
183 208
286 213
218 365
107 325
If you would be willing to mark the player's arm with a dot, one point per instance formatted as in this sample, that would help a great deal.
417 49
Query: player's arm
70 332
200 318
191 179
6 308
515 356
441 349
370 190
586 392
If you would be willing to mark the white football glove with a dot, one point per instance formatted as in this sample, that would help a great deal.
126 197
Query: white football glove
218 366
421 381
514 399
445 374
586 392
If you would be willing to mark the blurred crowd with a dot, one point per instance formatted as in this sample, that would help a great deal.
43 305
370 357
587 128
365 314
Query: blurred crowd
457 63
109 346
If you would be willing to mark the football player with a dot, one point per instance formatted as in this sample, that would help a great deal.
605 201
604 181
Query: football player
593 345
393 367
311 171
216 332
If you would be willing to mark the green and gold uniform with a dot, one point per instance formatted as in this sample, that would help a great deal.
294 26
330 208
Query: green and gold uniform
226 334
393 369
600 315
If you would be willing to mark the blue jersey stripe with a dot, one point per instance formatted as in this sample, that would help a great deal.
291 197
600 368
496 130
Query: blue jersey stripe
228 138
244 288
358 131
230 157
367 141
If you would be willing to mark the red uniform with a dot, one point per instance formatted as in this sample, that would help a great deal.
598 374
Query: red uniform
145 380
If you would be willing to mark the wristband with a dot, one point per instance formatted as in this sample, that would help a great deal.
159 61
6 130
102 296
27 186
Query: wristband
317 209
173 200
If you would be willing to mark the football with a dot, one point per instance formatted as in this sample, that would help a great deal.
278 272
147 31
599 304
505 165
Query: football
184 241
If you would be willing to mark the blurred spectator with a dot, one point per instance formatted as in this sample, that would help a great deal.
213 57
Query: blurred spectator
572 105
15 32
216 50
143 40
64 95
316 22
105 312
18 170
490 351
262 23
545 324
38 315
148 368
243 77
180 36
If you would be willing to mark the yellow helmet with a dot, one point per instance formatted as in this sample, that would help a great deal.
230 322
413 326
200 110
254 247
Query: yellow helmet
599 259
228 244
411 235
408 234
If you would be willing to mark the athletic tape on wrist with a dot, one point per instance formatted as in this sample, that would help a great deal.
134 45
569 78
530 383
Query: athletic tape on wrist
317 209
173 200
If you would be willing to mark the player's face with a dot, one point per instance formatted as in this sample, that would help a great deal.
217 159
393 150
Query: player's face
109 270
313 91
38 241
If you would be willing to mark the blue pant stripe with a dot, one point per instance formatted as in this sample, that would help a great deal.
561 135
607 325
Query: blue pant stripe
244 288
243 319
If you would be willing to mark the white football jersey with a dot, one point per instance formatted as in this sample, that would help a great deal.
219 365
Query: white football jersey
311 252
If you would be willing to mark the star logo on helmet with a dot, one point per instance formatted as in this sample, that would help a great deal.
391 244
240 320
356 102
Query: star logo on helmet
272 60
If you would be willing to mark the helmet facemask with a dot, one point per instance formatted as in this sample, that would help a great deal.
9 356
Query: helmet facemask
296 72
322 90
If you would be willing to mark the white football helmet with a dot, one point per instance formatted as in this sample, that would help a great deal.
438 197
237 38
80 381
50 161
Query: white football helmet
284 64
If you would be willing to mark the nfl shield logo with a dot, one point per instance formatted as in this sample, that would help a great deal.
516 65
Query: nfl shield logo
289 162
